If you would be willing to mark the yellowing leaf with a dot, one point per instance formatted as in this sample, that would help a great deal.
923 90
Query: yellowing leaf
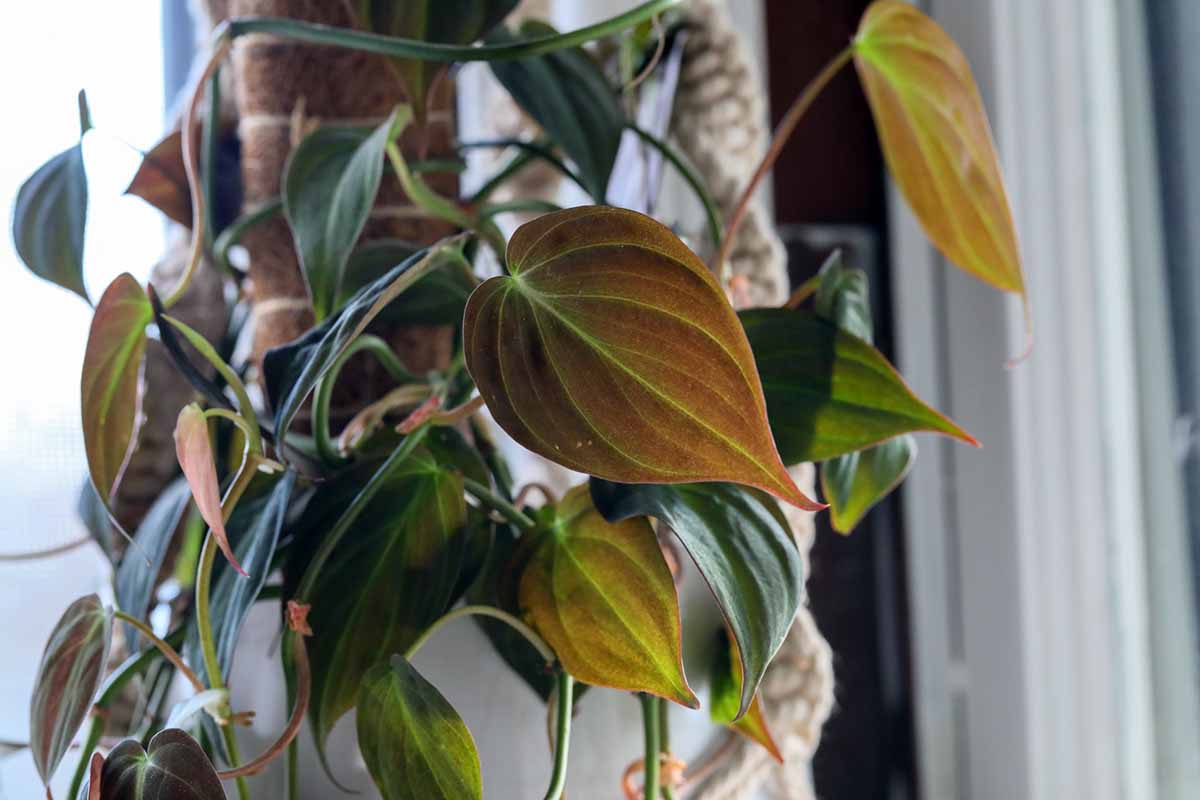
936 139
193 448
109 384
603 598
612 350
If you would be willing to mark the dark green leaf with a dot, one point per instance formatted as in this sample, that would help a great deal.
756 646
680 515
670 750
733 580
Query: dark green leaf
602 597
329 187
855 482
414 743
828 392
611 349
387 583
568 95
437 299
743 548
843 298
94 515
724 684
136 579
109 383
174 766
73 663
48 220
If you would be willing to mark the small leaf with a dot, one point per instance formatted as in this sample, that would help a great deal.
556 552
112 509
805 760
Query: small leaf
48 220
174 766
90 788
109 385
568 95
329 187
936 139
414 743
855 482
830 393
136 579
437 299
744 549
725 680
161 180
193 448
612 350
290 372
843 298
73 663
603 598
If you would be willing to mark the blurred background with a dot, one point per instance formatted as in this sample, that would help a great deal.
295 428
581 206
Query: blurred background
1019 621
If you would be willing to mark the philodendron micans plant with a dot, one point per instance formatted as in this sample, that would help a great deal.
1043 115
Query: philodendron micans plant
605 344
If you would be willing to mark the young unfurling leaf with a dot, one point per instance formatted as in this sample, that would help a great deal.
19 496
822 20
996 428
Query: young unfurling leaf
612 350
193 448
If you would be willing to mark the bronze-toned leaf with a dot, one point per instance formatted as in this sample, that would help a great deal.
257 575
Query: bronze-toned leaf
72 665
612 350
601 595
109 385
414 743
162 182
174 766
936 139
193 448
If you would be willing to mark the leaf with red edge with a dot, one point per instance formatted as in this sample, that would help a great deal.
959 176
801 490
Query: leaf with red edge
193 448
726 680
611 349
937 141
601 595
110 400
72 665
161 180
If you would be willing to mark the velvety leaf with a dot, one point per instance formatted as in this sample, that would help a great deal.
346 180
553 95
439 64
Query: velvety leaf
193 448
387 583
73 663
744 549
440 21
612 350
329 187
854 483
437 299
109 384
136 580
936 139
48 220
174 766
567 94
414 743
161 180
290 372
830 393
843 298
725 698
601 595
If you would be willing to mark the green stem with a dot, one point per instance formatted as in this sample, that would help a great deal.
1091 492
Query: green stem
529 150
324 392
664 742
237 229
537 206
711 212
520 627
653 747
94 732
427 51
167 650
782 133
208 165
493 501
562 734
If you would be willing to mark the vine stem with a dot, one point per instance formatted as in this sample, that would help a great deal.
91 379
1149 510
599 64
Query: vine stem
565 691
170 653
520 627
493 501
693 181
782 133
650 725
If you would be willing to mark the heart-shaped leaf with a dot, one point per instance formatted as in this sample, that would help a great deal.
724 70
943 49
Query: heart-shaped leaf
414 743
830 393
136 579
112 363
174 766
290 372
329 187
48 220
743 548
161 180
936 139
385 585
725 697
440 21
193 448
567 94
855 482
601 595
437 299
72 665
612 350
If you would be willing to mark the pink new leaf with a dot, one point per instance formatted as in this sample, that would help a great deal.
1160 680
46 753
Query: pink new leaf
194 451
